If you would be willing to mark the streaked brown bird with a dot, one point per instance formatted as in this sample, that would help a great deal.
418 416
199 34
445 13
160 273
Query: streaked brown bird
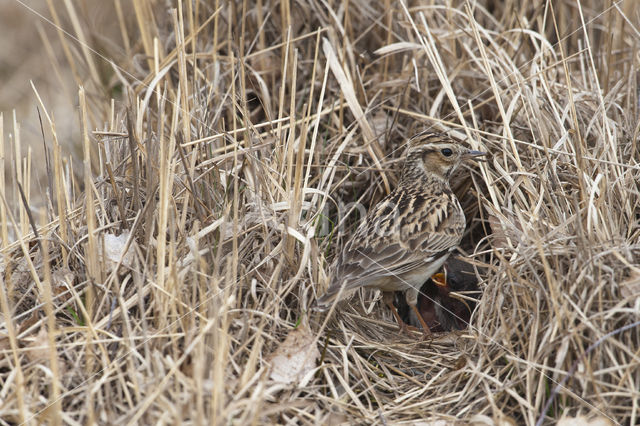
408 235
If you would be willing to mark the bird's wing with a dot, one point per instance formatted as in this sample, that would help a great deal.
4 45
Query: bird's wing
402 233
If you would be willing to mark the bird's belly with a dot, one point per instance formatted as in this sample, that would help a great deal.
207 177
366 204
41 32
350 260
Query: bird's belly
412 279
416 277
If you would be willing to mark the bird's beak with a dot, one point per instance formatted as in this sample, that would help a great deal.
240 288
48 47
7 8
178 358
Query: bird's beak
440 280
473 155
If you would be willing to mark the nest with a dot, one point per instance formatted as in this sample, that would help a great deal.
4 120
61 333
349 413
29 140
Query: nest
167 275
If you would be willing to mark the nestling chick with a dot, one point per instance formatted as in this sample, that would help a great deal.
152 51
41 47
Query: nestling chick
439 308
408 235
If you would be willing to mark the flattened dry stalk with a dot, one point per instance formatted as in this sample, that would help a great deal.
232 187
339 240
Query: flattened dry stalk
250 159
4 232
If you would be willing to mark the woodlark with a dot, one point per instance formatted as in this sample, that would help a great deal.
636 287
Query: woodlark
408 235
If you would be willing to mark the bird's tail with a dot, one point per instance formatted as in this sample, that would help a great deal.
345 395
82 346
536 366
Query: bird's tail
332 296
324 302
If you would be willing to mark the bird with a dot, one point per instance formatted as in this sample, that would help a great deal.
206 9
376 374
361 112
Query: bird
439 308
408 235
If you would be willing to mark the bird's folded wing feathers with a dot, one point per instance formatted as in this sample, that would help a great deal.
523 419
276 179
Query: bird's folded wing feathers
379 250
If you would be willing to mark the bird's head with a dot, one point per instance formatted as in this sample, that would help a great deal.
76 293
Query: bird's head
435 155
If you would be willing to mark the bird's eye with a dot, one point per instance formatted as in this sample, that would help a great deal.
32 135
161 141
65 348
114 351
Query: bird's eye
447 152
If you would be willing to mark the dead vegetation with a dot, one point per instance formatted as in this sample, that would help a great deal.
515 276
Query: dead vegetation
172 263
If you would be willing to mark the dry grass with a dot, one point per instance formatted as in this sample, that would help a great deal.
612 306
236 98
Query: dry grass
250 126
